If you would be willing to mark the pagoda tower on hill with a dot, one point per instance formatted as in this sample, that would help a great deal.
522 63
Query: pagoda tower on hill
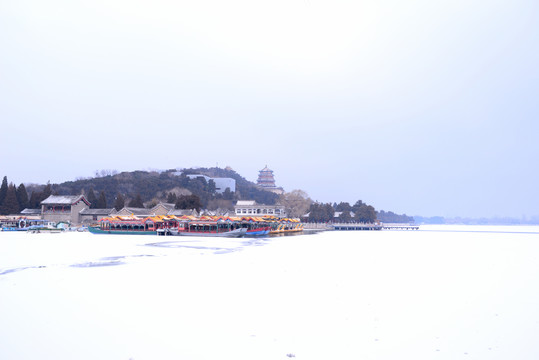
266 178
266 181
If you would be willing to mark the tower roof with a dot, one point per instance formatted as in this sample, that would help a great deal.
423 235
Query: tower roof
266 178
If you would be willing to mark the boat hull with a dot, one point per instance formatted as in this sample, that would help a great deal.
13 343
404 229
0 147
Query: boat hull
14 229
230 234
258 231
95 230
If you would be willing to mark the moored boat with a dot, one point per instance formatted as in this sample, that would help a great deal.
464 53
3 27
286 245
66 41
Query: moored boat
240 232
99 230
26 224
127 225
219 226
286 226
256 226
204 226
258 231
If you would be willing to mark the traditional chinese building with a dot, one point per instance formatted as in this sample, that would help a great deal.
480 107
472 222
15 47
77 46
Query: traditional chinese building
65 208
266 181
138 212
266 178
91 216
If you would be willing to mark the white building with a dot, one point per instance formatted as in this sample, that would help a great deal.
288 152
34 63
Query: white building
251 208
220 183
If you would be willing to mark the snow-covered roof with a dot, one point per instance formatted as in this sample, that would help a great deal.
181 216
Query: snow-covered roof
31 211
97 211
246 203
64 200
167 206
136 211
180 212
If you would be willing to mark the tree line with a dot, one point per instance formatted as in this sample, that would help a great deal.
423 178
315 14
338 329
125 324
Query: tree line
298 204
391 217
14 199
359 212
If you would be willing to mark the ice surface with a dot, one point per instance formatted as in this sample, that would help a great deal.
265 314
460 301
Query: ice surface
433 294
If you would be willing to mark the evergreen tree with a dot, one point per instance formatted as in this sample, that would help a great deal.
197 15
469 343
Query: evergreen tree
172 198
119 203
33 203
211 186
227 194
10 204
365 214
329 211
188 202
391 217
101 203
47 191
92 199
3 190
343 206
321 212
22 197
357 205
345 216
136 202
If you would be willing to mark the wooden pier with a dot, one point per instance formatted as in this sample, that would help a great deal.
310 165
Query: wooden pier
358 226
355 227
400 227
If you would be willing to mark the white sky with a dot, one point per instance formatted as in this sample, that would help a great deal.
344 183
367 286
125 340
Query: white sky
420 107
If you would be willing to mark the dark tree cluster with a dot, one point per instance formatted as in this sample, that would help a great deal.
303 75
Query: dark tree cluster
326 212
188 202
136 202
95 202
391 217
119 202
321 212
14 199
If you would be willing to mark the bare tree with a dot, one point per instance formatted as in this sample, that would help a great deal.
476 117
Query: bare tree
296 203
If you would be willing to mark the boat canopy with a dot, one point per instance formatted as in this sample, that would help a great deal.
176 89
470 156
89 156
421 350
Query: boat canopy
133 220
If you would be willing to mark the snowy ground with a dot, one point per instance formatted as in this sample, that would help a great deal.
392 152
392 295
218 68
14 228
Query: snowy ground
428 294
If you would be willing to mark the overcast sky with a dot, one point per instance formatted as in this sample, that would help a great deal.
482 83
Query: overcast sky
420 107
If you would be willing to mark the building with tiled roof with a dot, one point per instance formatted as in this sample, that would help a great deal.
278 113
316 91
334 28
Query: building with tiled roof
89 216
138 212
162 208
31 212
64 208
181 212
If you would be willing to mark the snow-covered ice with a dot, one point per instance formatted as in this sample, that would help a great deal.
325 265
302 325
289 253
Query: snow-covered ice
429 294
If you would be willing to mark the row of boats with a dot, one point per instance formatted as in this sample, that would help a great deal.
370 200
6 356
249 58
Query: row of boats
220 226
34 225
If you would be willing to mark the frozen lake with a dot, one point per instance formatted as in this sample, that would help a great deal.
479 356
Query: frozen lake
443 292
